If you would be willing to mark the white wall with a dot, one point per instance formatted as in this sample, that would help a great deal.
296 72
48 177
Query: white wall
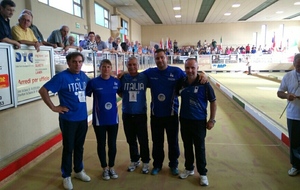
231 33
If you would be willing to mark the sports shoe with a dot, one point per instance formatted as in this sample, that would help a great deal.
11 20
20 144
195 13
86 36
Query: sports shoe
203 180
82 176
155 171
186 173
132 166
67 183
113 173
174 171
145 168
105 174
293 171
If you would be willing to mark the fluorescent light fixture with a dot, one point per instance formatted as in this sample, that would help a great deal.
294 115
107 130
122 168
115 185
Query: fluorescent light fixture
176 8
177 16
227 14
279 12
236 5
297 3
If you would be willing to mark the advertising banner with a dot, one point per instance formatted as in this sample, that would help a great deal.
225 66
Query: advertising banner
32 70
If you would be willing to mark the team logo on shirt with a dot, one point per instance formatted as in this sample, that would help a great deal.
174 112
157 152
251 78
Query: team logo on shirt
171 77
108 106
161 97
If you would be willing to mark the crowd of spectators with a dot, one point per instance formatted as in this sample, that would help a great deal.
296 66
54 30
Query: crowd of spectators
25 32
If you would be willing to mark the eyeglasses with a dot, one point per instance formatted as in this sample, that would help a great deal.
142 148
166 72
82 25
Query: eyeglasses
25 20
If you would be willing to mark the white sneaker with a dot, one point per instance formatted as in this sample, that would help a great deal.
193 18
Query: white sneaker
203 180
132 166
82 176
186 173
145 168
67 183
105 174
113 173
293 171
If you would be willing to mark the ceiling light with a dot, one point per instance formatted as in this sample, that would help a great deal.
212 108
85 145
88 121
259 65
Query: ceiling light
279 12
177 16
227 14
176 8
236 5
297 3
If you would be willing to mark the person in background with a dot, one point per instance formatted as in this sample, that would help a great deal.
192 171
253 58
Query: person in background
90 44
23 34
109 44
7 8
193 119
289 90
37 32
85 38
105 116
134 108
59 37
72 44
70 86
101 45
117 45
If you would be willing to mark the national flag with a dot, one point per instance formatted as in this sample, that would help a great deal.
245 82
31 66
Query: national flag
169 44
273 41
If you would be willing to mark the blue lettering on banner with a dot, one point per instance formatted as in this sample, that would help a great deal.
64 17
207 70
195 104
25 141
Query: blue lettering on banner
24 56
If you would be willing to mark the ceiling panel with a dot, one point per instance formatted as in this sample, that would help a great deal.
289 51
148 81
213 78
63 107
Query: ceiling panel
190 8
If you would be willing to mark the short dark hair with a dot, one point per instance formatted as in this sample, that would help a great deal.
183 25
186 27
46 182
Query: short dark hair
160 50
4 3
91 33
105 61
73 55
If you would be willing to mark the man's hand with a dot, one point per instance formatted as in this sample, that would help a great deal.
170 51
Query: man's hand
60 109
203 78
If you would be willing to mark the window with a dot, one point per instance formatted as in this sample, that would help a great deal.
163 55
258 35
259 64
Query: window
101 16
73 7
124 25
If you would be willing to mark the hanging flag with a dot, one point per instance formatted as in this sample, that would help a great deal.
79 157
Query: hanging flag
273 41
160 44
169 44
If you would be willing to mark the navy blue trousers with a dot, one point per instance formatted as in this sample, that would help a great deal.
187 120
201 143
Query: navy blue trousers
158 127
135 128
112 132
73 137
193 133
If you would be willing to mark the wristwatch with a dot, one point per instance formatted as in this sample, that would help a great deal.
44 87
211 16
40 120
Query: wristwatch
212 120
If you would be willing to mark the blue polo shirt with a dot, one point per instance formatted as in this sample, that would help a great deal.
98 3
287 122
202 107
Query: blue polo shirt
71 93
162 83
5 30
133 89
194 99
105 110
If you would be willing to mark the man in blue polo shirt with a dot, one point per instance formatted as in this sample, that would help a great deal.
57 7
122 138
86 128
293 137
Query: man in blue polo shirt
164 111
7 8
134 107
70 85
193 123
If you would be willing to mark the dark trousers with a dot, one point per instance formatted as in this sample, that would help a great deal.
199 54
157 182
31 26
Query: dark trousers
193 133
112 131
135 127
294 136
158 126
73 137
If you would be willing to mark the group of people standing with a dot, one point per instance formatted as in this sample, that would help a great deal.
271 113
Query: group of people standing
166 84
